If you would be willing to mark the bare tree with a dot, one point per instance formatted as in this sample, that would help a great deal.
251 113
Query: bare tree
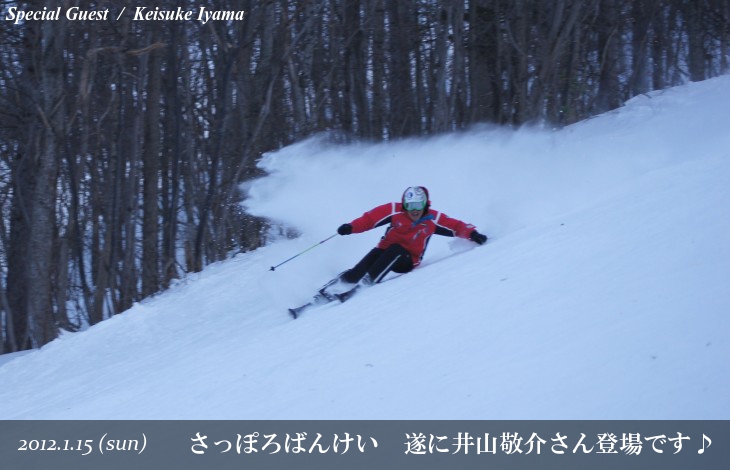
123 144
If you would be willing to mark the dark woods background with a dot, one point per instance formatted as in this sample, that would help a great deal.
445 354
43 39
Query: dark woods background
122 143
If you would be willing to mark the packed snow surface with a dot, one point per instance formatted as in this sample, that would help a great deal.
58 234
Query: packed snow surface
602 293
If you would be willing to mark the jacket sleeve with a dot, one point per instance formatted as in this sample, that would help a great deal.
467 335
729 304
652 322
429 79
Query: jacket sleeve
450 227
374 217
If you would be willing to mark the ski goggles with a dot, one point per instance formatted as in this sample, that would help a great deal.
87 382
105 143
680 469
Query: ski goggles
414 205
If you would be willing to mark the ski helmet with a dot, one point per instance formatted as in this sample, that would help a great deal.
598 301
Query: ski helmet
415 198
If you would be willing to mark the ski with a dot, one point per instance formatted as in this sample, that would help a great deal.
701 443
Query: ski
345 296
321 298
296 311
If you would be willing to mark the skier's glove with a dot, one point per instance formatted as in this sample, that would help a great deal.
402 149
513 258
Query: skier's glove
478 238
345 229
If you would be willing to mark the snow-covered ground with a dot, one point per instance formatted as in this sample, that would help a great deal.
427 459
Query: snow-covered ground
603 292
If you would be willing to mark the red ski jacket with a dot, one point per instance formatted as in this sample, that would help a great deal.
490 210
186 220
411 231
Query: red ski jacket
413 236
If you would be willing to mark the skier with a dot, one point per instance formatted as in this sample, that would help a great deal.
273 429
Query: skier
411 223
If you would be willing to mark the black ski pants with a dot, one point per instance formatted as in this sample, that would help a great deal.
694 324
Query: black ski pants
379 262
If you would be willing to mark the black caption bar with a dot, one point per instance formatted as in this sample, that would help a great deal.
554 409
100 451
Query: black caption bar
421 445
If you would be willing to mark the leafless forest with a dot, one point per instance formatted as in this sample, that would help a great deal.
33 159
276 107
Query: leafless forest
123 143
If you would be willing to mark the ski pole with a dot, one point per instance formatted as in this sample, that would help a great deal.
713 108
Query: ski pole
273 268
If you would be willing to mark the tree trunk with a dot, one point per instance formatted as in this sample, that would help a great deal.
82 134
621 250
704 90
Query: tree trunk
151 169
609 95
43 204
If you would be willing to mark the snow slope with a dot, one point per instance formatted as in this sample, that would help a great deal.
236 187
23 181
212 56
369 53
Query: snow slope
601 294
